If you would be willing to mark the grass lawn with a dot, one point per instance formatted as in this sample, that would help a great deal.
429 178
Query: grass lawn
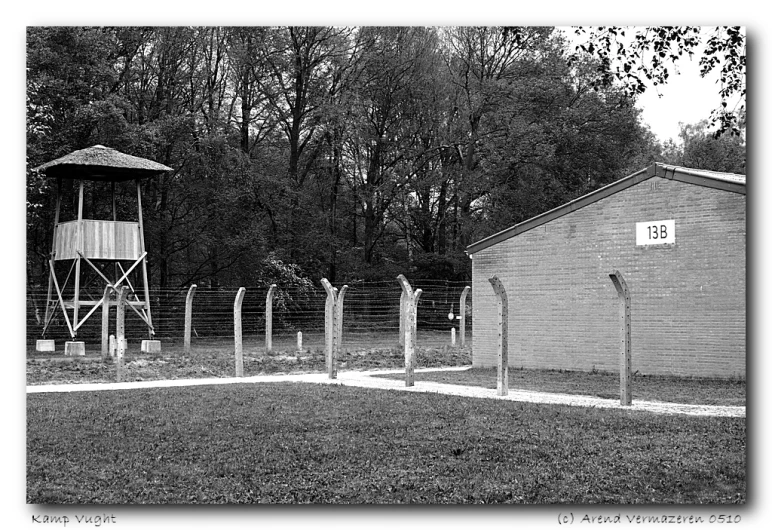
693 391
303 443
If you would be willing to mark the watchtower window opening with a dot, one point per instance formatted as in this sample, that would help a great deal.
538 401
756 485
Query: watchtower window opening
98 200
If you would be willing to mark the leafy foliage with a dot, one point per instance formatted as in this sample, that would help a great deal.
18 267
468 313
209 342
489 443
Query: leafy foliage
347 152
699 149
629 54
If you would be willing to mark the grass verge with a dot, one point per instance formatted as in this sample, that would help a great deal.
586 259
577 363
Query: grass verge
302 443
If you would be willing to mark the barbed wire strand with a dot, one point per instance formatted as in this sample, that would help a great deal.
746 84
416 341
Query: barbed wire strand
370 315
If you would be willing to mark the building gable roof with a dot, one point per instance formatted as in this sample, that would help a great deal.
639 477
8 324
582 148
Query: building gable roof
724 181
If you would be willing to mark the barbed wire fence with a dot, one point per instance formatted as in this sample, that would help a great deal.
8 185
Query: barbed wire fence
371 316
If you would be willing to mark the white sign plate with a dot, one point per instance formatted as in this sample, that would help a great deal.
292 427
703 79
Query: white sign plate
655 232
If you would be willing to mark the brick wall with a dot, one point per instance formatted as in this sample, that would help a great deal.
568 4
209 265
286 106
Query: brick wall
688 298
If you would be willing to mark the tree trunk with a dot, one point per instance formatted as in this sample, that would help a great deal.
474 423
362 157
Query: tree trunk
441 223
371 228
163 259
427 234
335 171
371 209
246 111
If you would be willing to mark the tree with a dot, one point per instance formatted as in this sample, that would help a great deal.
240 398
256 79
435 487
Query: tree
701 150
341 151
384 125
254 121
562 139
483 64
627 55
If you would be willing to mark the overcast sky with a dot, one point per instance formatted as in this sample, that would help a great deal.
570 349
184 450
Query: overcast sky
686 98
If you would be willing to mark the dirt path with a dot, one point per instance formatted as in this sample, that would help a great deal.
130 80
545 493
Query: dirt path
365 380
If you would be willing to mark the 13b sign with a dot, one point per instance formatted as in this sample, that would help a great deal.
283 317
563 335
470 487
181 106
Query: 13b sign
655 232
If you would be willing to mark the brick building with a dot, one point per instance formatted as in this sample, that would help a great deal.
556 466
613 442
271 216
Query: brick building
676 235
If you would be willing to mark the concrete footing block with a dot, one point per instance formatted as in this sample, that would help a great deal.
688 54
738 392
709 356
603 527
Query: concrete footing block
45 345
75 348
151 346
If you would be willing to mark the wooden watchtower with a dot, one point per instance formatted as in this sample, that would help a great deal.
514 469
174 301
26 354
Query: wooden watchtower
90 258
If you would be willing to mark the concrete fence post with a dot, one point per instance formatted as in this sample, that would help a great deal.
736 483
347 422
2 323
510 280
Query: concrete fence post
409 314
188 318
106 322
333 326
329 329
409 366
462 314
402 319
120 332
625 358
237 331
269 319
502 373
300 341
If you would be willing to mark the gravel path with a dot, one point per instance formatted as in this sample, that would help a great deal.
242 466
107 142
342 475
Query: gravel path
365 380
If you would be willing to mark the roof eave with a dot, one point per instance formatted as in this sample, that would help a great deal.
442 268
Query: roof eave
96 173
655 170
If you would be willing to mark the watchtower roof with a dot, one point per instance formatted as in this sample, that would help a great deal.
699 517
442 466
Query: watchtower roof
102 163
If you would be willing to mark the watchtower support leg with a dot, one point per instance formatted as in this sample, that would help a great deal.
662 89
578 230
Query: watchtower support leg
49 307
79 248
150 330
